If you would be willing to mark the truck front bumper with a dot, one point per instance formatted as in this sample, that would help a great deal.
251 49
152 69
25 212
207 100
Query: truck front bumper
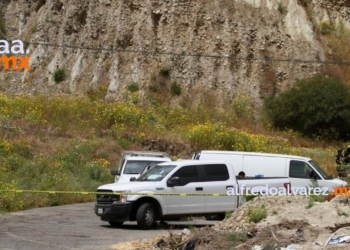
115 212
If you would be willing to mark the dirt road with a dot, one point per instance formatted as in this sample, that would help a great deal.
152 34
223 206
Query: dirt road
71 227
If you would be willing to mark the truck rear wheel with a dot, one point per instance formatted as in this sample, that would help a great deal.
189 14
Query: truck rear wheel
146 216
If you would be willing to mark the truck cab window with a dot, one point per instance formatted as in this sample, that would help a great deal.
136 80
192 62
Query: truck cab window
187 175
136 167
216 172
157 173
300 169
322 173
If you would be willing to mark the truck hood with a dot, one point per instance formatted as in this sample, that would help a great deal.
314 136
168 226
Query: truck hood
131 186
338 182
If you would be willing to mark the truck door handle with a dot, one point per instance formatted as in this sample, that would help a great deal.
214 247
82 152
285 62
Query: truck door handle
199 189
229 187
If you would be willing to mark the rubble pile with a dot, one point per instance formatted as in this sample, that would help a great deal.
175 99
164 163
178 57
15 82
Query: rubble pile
292 222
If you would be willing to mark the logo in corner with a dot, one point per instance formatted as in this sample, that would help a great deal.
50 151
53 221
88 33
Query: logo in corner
13 55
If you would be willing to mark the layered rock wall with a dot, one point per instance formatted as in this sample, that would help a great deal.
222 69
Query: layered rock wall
228 47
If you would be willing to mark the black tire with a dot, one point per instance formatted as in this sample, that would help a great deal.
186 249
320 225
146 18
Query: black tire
174 219
115 224
221 216
146 216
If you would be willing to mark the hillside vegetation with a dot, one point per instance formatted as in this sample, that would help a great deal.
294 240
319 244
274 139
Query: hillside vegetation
71 143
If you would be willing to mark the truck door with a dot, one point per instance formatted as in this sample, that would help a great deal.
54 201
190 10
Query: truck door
190 183
300 174
217 180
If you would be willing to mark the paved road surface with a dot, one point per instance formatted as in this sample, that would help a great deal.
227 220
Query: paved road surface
72 227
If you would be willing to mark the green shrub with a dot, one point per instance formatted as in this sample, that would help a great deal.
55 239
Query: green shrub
10 201
317 107
313 199
154 88
256 214
249 197
281 9
97 172
59 75
98 93
175 88
317 198
153 101
304 3
133 87
237 237
164 72
325 27
243 108
310 204
107 65
343 214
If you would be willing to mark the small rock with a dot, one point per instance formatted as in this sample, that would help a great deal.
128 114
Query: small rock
239 218
186 231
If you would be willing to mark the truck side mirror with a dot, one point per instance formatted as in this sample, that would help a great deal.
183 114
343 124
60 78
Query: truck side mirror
313 175
173 181
115 172
132 178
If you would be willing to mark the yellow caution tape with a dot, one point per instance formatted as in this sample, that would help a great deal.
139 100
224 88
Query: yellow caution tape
141 194
108 193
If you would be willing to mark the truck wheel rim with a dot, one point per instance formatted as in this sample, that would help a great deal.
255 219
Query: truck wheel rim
149 216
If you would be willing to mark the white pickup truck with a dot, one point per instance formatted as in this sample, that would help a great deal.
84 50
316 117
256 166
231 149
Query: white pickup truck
169 180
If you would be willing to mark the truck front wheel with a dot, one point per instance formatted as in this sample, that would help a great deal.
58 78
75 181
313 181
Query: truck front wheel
146 216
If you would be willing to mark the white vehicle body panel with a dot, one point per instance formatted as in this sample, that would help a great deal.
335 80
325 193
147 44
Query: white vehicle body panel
270 165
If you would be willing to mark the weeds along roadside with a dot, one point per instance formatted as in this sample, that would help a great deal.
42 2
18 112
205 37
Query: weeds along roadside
60 143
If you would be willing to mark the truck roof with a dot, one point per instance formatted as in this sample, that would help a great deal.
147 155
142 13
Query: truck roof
147 158
194 162
254 153
144 153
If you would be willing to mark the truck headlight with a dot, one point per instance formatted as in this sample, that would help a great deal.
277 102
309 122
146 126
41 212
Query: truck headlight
124 197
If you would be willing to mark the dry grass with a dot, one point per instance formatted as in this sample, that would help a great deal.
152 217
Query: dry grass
338 41
107 65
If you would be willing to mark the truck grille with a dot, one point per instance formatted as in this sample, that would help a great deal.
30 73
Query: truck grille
105 198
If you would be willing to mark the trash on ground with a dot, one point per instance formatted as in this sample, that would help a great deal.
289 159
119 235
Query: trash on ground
161 243
340 239
292 247
190 245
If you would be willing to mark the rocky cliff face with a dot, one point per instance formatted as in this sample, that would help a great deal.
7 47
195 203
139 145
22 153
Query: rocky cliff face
229 47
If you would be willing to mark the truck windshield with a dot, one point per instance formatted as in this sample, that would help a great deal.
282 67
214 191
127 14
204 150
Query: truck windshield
157 173
318 169
136 167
